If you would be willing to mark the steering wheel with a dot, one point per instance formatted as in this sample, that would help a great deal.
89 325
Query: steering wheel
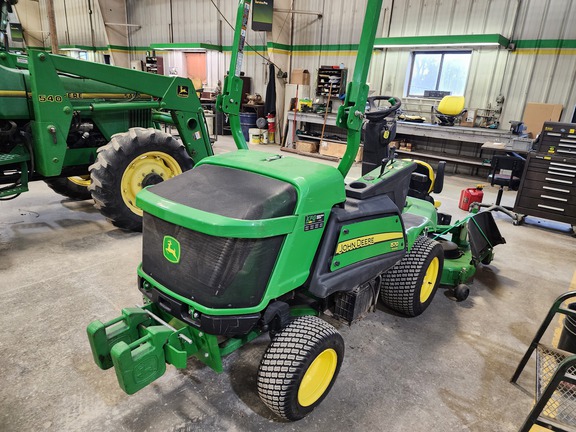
376 113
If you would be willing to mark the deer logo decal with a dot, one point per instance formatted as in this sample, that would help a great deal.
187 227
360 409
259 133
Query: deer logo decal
171 249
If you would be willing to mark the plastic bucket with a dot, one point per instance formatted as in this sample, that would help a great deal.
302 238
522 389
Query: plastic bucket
567 341
258 136
247 121
255 136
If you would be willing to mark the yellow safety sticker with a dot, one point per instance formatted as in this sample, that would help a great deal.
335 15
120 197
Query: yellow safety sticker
360 242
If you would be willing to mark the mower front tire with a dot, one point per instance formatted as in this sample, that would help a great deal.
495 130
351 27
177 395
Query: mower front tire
299 367
411 284
127 164
75 188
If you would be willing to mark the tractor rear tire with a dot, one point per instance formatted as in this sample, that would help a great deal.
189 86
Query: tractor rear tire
127 164
299 367
75 188
411 284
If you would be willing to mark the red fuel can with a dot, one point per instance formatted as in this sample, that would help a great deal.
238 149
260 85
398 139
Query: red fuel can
469 196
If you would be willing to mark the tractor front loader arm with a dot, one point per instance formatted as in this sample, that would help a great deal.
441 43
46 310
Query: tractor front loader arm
231 98
351 113
53 109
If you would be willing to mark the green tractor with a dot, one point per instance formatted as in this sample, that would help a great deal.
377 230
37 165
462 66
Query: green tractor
268 244
92 130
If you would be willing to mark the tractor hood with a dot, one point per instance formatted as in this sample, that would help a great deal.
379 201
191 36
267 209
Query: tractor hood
232 194
206 231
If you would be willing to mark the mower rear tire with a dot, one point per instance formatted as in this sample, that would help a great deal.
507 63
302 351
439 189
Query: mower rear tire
300 366
75 188
411 284
127 164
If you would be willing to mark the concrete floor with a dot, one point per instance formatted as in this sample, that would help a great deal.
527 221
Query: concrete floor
62 265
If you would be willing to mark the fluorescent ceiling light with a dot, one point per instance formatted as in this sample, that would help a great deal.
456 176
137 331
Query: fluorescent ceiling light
190 47
442 41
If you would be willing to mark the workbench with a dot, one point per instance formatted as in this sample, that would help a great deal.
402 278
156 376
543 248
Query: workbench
454 144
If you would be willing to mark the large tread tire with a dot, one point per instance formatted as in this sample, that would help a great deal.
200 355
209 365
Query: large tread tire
411 284
307 350
128 163
75 188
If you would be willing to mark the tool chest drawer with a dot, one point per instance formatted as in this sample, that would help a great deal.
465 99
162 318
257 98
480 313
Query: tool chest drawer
548 188
557 170
558 138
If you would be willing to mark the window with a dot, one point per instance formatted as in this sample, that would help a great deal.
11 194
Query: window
438 70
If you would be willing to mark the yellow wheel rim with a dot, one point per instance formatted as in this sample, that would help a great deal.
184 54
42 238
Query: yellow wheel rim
318 377
429 280
80 180
148 165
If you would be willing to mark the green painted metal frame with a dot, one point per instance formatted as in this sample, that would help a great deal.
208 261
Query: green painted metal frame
230 100
51 107
175 94
351 113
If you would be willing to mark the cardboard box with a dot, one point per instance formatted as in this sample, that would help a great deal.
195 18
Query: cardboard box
468 118
307 146
300 76
337 150
535 114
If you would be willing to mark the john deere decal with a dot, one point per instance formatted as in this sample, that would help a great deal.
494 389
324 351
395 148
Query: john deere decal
361 242
171 249
183 91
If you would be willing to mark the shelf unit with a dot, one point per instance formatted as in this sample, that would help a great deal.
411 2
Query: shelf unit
328 74
155 65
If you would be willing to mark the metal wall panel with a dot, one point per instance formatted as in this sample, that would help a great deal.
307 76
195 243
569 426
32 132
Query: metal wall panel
524 75
181 21
451 17
153 17
77 21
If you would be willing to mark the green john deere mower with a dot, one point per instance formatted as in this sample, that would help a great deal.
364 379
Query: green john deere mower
266 243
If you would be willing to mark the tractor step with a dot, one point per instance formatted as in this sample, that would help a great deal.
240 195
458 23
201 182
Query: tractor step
139 343
12 158
19 156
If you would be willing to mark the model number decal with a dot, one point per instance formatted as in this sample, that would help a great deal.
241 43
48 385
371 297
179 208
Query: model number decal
50 98
360 242
315 221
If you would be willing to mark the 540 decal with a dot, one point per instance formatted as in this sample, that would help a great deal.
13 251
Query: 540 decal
50 98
